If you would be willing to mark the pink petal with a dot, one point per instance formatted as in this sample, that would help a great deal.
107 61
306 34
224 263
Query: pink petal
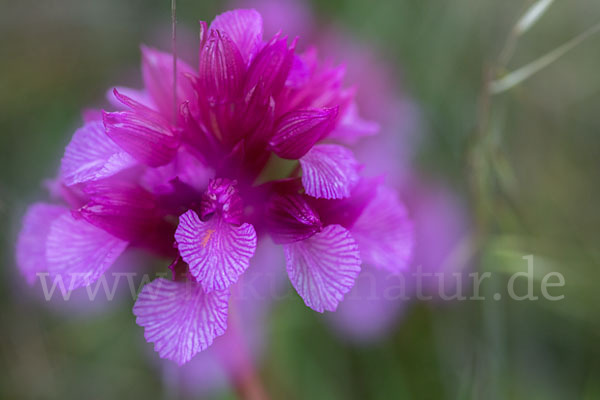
79 251
291 218
244 27
184 167
323 89
73 196
329 171
299 73
216 251
323 267
31 243
297 131
142 133
352 127
180 318
157 71
121 208
221 68
346 211
258 118
270 68
384 232
92 155
140 96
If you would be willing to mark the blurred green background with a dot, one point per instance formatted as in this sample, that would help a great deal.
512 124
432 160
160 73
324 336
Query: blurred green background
526 161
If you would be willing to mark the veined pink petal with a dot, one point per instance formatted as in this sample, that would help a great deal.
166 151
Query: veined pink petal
31 243
324 87
291 218
79 251
384 232
245 29
139 95
180 318
258 118
221 69
216 251
157 71
270 68
92 155
323 267
195 135
148 140
297 131
329 171
138 105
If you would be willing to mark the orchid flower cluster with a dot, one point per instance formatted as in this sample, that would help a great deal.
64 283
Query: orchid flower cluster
203 163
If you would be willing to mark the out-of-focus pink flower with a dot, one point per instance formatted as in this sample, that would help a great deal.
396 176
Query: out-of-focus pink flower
179 168
439 267
372 308
444 247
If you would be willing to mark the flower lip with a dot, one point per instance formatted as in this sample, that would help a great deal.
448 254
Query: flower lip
223 197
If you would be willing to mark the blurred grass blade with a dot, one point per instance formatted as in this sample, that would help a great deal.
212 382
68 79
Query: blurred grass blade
532 15
529 18
523 73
